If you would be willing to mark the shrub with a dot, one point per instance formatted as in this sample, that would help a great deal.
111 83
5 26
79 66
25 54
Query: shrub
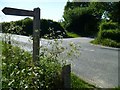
108 25
26 25
109 30
52 29
19 71
80 21
106 42
111 34
111 43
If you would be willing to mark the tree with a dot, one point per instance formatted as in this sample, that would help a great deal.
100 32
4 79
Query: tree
76 18
47 27
51 28
99 8
72 5
115 12
73 12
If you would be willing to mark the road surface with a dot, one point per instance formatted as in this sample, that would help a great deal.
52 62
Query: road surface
96 64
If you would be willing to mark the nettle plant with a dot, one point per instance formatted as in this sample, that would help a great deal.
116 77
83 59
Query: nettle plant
19 71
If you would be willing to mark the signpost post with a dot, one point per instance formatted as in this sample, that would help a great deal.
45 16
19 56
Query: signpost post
36 26
36 35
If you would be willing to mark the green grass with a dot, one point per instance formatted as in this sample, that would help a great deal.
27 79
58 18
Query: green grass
78 83
72 35
106 42
117 88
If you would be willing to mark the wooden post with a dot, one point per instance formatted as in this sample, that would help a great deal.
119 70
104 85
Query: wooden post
118 67
36 26
36 35
66 77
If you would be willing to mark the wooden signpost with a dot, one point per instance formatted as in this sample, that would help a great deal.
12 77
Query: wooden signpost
36 26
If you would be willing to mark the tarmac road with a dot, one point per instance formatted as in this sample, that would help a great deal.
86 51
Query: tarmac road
96 64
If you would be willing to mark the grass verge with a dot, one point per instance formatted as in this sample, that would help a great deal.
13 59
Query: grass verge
78 83
106 42
72 35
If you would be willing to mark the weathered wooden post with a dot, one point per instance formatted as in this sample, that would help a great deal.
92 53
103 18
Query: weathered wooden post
36 35
66 77
36 26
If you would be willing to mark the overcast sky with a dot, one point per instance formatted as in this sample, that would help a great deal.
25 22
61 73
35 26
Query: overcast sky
50 9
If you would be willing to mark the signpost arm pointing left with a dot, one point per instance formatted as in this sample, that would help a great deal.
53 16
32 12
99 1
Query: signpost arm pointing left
17 12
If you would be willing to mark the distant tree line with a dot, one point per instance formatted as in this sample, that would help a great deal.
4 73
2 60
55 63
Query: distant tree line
84 18
25 27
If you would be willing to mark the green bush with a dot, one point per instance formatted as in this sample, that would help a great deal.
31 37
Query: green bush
111 34
26 26
72 35
108 25
80 21
18 70
109 42
106 42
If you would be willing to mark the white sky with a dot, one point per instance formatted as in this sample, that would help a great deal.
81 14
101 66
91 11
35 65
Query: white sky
50 9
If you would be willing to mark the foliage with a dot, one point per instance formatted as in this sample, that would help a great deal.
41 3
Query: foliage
114 14
111 34
11 28
83 17
76 20
19 71
78 83
99 8
72 5
108 25
27 25
106 42
51 29
109 30
47 26
111 7
72 35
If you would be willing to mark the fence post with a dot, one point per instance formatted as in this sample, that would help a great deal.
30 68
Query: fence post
66 77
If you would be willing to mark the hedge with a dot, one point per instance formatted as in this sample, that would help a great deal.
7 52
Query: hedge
108 25
110 34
